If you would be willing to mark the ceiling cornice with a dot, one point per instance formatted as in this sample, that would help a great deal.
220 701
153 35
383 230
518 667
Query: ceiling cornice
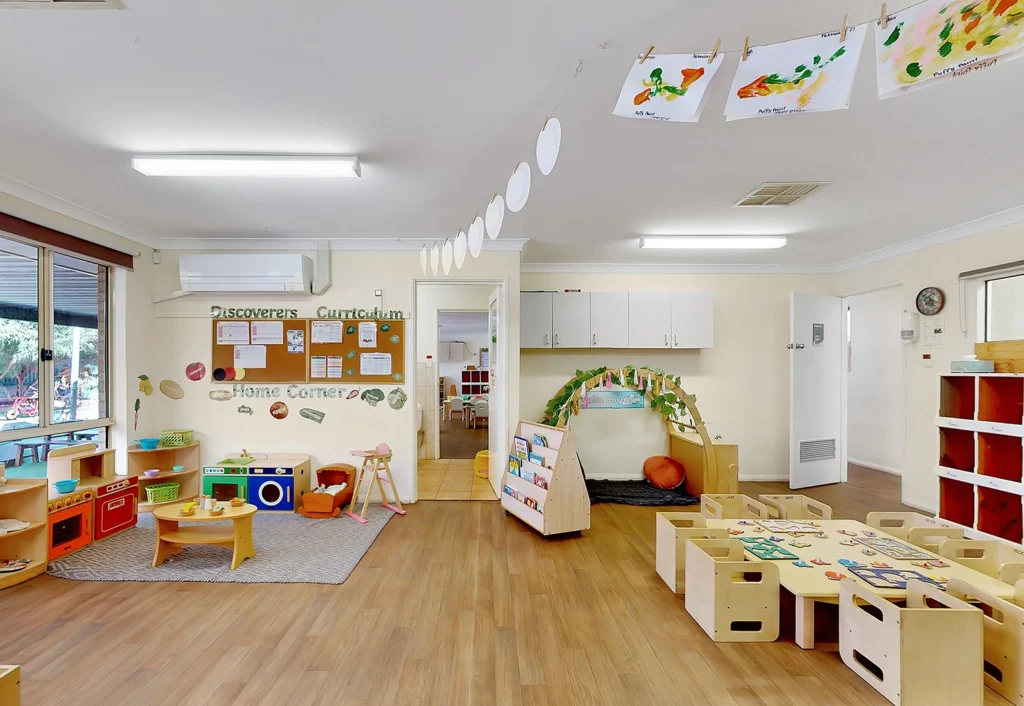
410 245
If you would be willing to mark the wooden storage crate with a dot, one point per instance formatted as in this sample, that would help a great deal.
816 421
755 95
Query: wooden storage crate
672 530
996 559
1004 640
915 656
795 507
920 530
732 507
10 685
731 599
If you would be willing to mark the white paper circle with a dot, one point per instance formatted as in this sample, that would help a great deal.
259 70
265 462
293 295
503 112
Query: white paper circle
435 255
460 249
518 189
476 236
548 142
423 260
494 216
446 256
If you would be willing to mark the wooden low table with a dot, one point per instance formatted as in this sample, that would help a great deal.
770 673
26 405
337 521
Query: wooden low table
170 538
811 585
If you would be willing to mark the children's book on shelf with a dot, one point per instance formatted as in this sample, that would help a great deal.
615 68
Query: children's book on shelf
539 440
522 445
537 459
540 481
521 455
514 466
528 475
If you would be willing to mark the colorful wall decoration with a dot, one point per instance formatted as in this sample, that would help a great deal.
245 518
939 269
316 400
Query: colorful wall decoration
809 75
936 39
669 87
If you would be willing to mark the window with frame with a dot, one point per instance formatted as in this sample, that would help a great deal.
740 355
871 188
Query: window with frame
1004 308
54 359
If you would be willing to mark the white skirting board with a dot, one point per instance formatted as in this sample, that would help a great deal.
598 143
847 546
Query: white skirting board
876 467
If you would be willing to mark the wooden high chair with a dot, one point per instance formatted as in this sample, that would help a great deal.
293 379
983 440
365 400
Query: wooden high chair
377 460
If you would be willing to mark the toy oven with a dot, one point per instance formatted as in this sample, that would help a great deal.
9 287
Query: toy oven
70 529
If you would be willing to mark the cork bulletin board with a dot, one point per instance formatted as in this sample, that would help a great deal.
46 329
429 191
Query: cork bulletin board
287 361
370 351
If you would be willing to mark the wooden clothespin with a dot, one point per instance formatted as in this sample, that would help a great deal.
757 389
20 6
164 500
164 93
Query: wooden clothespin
885 16
714 52
842 35
746 48
646 54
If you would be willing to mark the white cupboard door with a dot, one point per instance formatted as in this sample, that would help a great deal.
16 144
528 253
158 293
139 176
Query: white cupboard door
570 320
535 320
609 319
650 319
693 320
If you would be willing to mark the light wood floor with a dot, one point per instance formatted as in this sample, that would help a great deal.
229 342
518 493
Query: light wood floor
452 479
455 604
457 441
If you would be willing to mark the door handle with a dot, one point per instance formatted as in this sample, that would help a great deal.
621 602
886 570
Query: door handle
666 339
595 340
675 339
798 346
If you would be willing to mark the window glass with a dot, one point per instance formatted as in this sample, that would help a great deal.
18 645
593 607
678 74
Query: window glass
26 458
1004 309
79 339
19 335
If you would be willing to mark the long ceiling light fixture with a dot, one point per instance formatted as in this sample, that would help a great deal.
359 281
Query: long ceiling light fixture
247 165
712 242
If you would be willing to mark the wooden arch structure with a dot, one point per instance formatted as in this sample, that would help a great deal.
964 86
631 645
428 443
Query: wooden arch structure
664 391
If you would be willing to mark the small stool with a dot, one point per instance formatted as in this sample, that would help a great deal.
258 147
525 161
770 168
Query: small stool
378 460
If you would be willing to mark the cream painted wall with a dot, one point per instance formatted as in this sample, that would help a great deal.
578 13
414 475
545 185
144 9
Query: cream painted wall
742 384
181 334
938 266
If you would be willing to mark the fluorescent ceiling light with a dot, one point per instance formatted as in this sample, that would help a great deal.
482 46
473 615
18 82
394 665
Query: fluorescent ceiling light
246 165
713 242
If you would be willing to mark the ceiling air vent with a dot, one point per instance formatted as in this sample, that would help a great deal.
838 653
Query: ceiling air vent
778 193
61 4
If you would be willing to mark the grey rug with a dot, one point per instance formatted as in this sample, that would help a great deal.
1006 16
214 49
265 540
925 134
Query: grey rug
289 549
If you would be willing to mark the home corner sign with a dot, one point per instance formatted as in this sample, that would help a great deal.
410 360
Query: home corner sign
323 312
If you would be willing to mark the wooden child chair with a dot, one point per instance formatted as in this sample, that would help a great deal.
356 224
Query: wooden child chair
373 462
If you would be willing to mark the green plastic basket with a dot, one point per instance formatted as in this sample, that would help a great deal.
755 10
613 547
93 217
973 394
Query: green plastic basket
176 437
162 492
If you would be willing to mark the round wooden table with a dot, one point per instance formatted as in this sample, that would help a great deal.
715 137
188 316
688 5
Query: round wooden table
170 537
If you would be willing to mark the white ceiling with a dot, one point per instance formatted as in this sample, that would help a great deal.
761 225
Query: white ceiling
440 99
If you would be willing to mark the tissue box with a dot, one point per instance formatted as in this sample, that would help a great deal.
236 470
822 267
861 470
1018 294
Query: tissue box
972 366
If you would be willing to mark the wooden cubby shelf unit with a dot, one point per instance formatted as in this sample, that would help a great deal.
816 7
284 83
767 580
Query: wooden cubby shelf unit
165 458
956 501
956 396
1001 456
24 500
956 449
1001 399
999 514
564 506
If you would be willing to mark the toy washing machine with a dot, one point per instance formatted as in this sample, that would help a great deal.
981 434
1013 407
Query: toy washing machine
278 483
227 479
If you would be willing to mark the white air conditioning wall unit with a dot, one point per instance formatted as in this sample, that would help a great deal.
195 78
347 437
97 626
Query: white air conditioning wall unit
255 272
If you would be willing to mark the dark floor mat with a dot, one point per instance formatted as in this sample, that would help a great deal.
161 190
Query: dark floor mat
636 492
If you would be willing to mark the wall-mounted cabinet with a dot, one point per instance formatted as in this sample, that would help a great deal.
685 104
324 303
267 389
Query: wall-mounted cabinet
617 320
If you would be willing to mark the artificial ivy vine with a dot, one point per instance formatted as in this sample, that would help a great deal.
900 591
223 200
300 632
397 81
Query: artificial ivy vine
643 379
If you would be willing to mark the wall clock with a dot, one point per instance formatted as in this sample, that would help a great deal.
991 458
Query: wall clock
930 301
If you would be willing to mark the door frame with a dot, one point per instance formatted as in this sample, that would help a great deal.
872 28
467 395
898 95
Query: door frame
502 283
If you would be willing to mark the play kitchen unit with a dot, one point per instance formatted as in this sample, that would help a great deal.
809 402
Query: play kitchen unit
268 481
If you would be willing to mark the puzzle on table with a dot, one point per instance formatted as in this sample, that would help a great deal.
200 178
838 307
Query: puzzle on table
890 578
765 549
893 549
788 527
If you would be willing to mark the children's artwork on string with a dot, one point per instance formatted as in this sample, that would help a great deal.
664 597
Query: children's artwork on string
810 75
668 87
934 39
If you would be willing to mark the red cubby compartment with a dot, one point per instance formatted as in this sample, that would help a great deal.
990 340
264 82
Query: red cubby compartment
956 501
956 449
1001 399
999 514
1001 456
956 397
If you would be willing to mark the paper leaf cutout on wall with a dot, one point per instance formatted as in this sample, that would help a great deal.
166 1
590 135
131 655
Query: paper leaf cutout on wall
810 75
668 87
933 40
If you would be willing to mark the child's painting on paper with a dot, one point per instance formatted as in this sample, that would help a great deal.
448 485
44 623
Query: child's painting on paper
939 39
669 87
808 75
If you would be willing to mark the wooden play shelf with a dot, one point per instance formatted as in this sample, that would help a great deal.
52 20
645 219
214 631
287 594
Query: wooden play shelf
564 506
981 453
164 458
24 500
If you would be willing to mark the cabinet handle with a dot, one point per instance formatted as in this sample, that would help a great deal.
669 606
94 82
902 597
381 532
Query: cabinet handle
556 339
545 340
595 340
675 338
666 339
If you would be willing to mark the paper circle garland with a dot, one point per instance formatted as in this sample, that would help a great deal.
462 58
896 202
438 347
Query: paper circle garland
518 189
423 260
548 143
460 249
494 216
446 256
476 236
434 256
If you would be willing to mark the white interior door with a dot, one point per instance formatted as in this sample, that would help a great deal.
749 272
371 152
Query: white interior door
497 446
815 390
